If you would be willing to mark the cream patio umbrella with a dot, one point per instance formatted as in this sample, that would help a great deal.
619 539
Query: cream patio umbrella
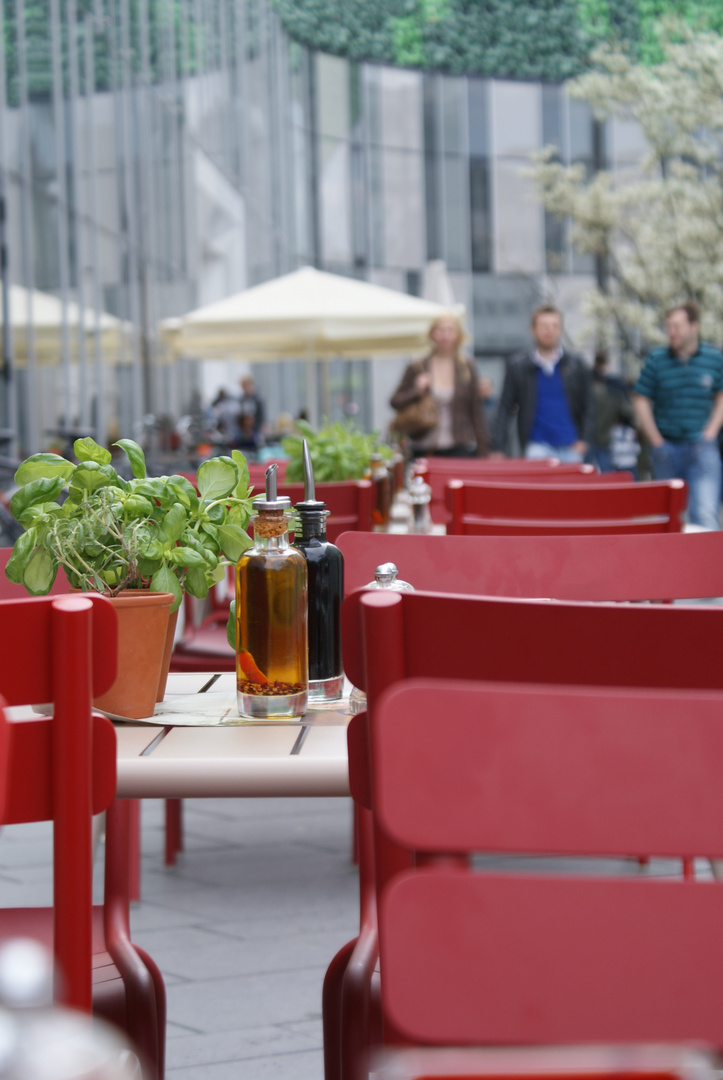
307 312
306 315
46 312
43 314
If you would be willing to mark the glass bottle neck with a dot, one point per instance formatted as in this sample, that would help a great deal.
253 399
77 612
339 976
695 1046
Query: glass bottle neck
271 530
272 543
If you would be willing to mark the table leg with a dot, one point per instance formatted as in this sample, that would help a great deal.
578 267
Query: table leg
174 829
134 851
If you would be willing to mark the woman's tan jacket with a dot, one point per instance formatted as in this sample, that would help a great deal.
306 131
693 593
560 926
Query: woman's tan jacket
469 426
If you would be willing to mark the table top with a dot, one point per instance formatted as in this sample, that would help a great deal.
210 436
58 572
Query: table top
224 756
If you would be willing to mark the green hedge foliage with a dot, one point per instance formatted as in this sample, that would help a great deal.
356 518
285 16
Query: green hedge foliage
528 39
524 39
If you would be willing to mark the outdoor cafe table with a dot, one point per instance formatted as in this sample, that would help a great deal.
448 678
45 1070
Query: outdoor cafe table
197 746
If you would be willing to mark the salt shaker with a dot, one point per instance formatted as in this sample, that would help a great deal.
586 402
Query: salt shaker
385 577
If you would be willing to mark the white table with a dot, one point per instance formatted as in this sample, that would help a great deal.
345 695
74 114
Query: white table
172 758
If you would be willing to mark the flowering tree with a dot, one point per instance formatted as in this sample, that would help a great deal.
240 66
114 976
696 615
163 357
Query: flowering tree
659 234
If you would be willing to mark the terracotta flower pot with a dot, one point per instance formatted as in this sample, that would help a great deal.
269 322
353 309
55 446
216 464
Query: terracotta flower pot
142 630
166 661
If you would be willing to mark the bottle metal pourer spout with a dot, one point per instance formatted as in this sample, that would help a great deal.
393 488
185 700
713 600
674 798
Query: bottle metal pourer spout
271 483
309 485
271 500
310 504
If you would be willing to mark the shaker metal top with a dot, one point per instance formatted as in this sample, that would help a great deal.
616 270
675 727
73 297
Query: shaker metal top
386 573
385 577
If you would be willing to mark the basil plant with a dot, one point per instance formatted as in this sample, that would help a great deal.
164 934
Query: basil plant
110 534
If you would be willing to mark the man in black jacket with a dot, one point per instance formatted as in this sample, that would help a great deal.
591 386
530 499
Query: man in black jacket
550 391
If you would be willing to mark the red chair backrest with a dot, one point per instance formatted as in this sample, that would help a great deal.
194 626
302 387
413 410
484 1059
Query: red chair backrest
62 651
391 636
553 509
412 634
643 566
350 504
438 471
509 958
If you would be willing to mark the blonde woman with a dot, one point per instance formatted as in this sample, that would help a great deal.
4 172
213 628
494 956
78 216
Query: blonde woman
451 379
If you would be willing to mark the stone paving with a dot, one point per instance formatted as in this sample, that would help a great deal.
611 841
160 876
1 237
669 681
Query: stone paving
242 927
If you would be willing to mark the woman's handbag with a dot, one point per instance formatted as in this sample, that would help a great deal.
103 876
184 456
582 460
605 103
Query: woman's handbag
418 418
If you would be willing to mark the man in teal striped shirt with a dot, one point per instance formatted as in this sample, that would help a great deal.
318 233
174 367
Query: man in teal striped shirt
679 405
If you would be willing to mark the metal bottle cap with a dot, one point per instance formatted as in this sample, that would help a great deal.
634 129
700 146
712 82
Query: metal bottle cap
271 501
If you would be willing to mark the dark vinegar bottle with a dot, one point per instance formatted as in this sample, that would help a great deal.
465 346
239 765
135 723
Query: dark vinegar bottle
325 565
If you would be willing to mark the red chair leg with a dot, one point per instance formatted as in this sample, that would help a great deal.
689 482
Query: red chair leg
174 830
331 1011
359 1026
134 851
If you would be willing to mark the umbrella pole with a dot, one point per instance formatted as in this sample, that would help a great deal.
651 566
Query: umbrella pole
325 390
312 397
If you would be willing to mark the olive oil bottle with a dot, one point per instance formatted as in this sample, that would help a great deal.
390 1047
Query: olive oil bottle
271 615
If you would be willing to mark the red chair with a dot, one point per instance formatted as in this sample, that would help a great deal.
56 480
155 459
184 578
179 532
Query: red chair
503 958
391 636
638 566
438 471
62 768
552 509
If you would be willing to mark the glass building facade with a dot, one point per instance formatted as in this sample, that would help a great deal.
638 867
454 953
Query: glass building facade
157 155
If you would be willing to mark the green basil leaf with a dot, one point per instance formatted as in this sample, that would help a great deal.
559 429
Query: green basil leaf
89 450
42 490
22 550
137 506
136 457
244 480
186 556
196 583
43 466
231 626
190 539
164 580
218 573
148 565
151 489
89 476
39 573
210 530
217 514
183 491
182 483
216 478
239 513
174 523
39 513
234 541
